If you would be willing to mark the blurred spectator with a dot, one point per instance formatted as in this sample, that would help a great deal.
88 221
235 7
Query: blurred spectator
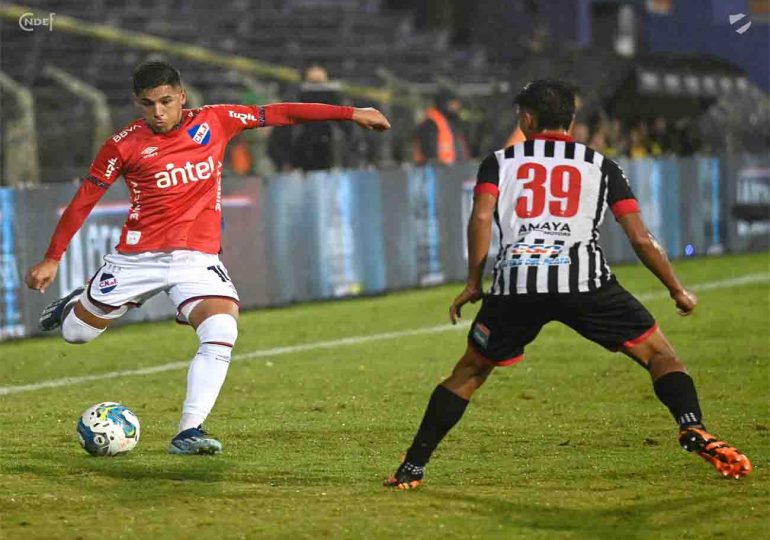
319 145
660 137
240 159
598 142
617 144
637 147
689 139
440 135
645 139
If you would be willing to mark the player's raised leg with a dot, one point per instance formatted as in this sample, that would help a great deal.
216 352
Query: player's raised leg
81 325
215 323
676 390
78 324
445 408
81 319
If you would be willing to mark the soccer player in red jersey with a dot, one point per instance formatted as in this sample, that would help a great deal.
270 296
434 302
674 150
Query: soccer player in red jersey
171 160
548 195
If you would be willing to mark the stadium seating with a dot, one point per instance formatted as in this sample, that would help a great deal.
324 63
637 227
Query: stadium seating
352 38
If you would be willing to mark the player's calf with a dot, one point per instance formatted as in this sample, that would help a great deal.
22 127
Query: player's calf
207 373
76 331
676 390
82 325
446 407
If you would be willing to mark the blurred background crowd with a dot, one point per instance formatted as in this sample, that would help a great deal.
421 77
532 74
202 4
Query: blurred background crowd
444 71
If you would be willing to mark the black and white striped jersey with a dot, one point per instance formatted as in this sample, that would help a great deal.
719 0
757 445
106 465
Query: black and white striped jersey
552 194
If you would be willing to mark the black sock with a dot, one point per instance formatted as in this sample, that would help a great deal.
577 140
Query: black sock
444 410
677 392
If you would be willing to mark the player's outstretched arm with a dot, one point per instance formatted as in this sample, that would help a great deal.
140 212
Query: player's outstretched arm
479 237
41 275
652 254
370 118
102 173
286 114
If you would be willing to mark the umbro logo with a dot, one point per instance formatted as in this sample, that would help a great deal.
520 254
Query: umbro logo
150 151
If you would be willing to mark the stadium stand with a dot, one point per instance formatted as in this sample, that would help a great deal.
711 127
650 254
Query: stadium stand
357 41
352 38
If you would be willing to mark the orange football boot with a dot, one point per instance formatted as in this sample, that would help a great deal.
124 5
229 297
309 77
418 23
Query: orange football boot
726 459
408 476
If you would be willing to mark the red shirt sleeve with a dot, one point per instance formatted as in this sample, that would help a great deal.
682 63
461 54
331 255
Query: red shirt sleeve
623 207
105 169
236 118
286 114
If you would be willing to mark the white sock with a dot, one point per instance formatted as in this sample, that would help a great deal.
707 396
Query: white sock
190 420
204 380
73 330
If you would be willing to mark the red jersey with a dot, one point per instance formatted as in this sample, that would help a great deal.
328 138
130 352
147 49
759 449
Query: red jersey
174 178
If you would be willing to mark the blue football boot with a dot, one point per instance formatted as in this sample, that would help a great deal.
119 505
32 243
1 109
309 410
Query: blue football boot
194 441
53 315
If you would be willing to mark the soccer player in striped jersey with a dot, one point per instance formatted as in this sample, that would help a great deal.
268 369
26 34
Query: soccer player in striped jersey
547 196
171 160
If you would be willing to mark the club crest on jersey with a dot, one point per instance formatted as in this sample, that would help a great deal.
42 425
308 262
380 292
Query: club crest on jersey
552 228
107 283
200 133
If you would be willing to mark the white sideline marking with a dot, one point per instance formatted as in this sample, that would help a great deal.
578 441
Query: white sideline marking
354 340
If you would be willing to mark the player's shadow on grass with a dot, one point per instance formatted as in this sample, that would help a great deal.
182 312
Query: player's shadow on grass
627 520
181 469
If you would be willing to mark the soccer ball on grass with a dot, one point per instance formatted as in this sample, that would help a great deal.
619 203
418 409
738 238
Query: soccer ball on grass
108 429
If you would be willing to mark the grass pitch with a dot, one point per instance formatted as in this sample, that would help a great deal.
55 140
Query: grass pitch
571 443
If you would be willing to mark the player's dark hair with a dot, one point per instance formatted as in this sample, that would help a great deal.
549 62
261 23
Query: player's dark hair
551 101
155 73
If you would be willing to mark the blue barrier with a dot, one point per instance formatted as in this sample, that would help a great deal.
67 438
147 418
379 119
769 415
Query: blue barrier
328 234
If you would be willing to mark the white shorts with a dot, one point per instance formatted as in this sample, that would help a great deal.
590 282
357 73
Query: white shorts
130 279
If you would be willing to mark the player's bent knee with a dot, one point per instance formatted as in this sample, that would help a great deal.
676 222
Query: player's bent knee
477 362
219 329
665 362
76 331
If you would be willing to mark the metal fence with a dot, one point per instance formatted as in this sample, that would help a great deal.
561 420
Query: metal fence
294 238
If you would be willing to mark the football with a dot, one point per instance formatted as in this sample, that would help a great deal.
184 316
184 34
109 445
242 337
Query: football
108 429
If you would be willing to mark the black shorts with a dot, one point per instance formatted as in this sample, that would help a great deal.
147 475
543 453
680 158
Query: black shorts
610 316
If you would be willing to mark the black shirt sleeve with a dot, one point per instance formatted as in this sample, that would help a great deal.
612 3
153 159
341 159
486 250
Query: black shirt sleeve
618 188
620 198
489 171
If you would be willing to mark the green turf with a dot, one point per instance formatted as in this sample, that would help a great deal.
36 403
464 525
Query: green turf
571 443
